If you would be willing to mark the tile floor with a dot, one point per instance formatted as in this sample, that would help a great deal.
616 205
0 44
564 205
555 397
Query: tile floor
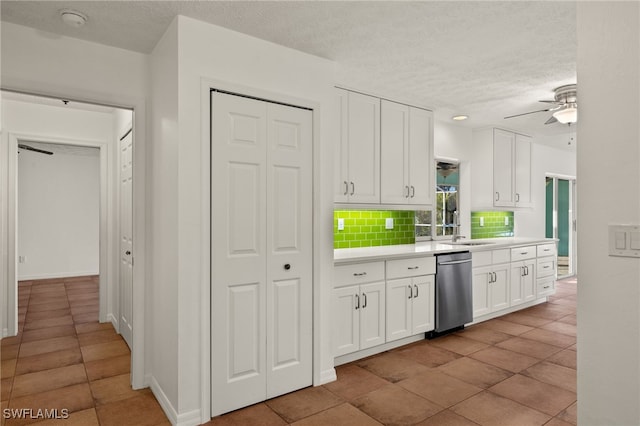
63 358
519 369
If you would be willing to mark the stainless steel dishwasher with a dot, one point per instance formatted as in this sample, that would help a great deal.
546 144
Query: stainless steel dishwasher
454 299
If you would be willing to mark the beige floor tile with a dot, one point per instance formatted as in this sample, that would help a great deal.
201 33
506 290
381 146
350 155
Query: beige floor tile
391 366
488 409
459 345
505 359
354 381
344 414
529 347
393 405
541 396
440 388
258 414
475 372
303 403
31 383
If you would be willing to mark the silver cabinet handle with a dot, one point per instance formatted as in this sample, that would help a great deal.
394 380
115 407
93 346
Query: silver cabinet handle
353 188
357 302
497 196
410 292
517 197
359 274
546 250
490 277
416 295
546 267
413 267
406 189
523 252
495 277
413 191
346 187
527 268
364 303
547 286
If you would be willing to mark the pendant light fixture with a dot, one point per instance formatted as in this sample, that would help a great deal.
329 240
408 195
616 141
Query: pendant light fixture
568 114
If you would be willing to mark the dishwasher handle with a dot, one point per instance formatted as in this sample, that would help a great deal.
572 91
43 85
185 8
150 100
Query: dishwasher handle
455 262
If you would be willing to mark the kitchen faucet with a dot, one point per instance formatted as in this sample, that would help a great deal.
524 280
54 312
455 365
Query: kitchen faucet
456 228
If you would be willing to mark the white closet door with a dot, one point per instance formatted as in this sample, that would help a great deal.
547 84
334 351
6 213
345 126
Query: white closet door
238 248
125 324
289 249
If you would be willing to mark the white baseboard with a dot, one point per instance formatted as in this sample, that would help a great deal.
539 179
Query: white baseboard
327 376
56 275
5 332
191 418
114 322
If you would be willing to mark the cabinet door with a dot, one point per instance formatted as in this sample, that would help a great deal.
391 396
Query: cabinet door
399 296
529 281
517 279
341 148
372 314
346 317
500 287
394 143
423 309
480 286
522 171
364 148
503 143
420 161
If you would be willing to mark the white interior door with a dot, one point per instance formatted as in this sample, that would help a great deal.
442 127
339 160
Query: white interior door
126 239
261 251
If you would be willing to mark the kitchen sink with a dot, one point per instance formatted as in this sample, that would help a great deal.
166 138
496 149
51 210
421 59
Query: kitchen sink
470 243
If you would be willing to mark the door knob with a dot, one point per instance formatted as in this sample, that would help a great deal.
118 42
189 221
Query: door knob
127 252
287 266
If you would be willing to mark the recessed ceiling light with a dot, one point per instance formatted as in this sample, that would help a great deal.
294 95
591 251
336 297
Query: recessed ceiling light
459 117
73 18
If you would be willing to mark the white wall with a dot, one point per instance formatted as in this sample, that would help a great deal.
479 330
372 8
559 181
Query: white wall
58 214
609 192
37 62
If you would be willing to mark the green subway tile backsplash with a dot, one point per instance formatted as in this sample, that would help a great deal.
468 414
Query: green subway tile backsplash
493 226
366 228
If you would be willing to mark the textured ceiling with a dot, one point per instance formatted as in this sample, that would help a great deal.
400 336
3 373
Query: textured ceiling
484 59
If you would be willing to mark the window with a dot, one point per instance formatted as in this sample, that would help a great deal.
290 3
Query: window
447 187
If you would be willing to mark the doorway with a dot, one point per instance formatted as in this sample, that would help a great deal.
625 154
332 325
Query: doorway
560 220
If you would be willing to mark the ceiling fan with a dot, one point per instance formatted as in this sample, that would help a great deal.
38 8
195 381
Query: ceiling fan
565 106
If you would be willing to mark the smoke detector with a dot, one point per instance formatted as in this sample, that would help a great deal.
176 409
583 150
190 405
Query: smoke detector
73 18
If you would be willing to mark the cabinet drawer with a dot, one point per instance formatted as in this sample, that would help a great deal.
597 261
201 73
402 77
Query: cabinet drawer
546 267
546 286
411 267
358 273
481 258
501 256
523 253
546 250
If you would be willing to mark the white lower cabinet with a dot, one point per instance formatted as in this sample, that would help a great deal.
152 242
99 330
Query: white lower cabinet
523 282
490 289
410 306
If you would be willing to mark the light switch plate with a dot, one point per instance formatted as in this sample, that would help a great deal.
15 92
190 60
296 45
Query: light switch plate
388 224
624 240
340 224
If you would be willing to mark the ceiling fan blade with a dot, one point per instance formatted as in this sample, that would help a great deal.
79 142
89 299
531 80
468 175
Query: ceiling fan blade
526 113
551 102
551 120
30 148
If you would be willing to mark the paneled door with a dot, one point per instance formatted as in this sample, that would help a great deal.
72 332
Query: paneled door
125 324
261 247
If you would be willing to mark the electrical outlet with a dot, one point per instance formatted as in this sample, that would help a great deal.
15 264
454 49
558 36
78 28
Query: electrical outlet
388 224
481 221
340 224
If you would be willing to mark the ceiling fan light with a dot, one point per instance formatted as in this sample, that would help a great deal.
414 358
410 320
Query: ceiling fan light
567 115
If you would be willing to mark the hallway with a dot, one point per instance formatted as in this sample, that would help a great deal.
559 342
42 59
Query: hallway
63 358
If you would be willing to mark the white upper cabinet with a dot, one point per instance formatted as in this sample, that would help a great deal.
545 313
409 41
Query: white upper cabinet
508 156
358 152
406 154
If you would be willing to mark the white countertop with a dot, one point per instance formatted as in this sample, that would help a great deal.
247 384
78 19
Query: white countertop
426 248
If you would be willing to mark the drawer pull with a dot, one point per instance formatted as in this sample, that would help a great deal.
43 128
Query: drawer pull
413 267
524 252
547 286
546 250
359 274
546 267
